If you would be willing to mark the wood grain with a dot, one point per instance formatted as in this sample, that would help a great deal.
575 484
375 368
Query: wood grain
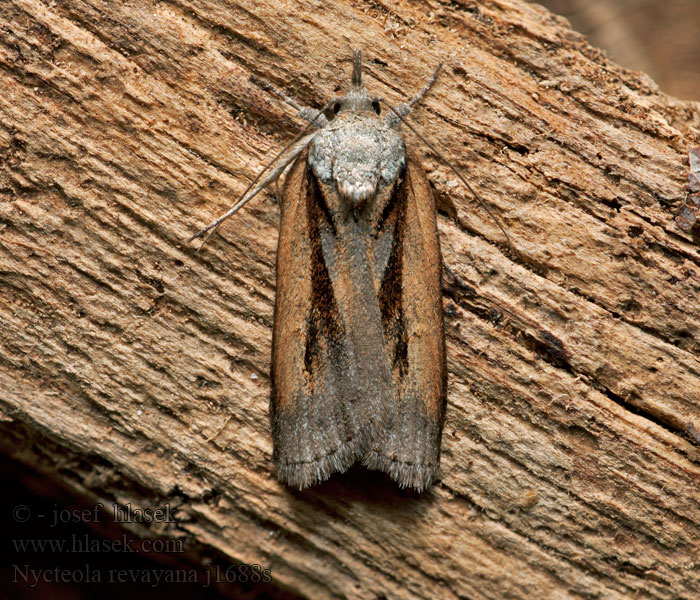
136 370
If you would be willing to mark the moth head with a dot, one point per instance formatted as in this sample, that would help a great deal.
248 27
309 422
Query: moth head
357 100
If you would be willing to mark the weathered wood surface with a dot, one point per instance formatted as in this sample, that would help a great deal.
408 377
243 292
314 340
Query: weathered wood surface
574 368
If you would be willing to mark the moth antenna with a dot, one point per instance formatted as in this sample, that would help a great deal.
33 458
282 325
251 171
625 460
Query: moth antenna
306 113
403 109
426 87
280 162
462 179
268 87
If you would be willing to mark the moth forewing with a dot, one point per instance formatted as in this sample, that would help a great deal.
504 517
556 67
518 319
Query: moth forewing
409 448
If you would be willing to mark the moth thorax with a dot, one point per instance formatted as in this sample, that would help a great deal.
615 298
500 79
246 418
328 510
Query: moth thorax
356 170
358 159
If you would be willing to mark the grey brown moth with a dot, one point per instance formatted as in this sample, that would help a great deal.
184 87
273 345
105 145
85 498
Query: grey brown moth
358 359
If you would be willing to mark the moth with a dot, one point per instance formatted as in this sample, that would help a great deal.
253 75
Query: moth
358 352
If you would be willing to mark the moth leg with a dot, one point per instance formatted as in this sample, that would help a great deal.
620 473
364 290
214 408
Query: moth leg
277 165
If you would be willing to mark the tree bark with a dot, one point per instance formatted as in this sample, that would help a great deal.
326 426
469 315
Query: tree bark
134 369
